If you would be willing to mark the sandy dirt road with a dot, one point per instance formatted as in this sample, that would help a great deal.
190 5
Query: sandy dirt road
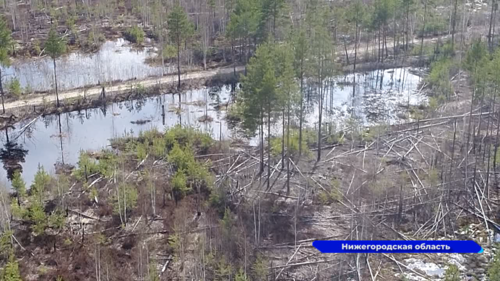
110 90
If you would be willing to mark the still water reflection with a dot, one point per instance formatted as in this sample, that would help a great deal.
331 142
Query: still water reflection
60 138
115 60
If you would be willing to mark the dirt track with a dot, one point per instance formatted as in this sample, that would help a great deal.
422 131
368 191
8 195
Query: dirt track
95 91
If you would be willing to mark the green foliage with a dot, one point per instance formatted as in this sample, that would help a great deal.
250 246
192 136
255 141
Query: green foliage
434 103
11 270
240 275
434 25
273 19
36 47
234 113
5 43
126 197
159 147
260 268
300 45
475 56
17 210
40 184
227 223
179 184
141 151
218 197
70 24
244 21
292 144
494 68
224 270
55 46
180 158
153 271
179 26
68 241
14 87
382 13
38 217
453 274
85 163
135 34
6 242
57 220
329 197
174 242
267 86
439 80
188 136
18 184
93 193
105 166
494 268
169 52
140 89
188 171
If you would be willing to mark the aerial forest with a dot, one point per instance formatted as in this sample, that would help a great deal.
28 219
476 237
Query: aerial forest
217 139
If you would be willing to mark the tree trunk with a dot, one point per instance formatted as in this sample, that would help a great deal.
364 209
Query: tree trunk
234 59
60 137
345 50
179 66
262 139
301 107
490 39
268 145
496 146
356 46
407 29
355 59
1 92
453 25
283 143
55 82
423 30
288 149
320 111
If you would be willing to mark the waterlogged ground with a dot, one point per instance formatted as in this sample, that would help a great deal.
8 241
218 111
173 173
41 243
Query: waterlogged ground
60 138
115 60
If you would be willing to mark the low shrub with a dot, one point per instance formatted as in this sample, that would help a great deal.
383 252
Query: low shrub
14 87
135 34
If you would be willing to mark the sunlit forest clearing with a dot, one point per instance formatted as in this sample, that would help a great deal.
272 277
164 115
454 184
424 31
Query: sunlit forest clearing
216 139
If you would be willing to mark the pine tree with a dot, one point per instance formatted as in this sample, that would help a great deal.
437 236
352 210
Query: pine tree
244 24
270 15
258 87
11 270
356 14
18 184
180 29
323 62
5 44
266 90
301 48
55 46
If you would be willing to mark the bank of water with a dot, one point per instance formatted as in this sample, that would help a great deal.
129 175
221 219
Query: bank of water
380 96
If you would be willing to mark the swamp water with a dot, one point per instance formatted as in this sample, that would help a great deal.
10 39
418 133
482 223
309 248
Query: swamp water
115 60
60 138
